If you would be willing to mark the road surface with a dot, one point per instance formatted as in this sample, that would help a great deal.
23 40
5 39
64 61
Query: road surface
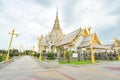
27 68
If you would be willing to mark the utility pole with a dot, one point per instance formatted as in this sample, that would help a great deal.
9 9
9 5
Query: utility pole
12 34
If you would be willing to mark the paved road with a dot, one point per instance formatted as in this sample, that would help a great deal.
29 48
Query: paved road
27 68
103 71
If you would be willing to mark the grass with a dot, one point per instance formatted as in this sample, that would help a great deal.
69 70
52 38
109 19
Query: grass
76 62
81 62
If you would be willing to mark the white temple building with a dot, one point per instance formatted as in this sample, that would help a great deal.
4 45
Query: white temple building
57 41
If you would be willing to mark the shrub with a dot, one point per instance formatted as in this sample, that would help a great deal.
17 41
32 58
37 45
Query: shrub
2 58
110 58
73 52
67 55
50 56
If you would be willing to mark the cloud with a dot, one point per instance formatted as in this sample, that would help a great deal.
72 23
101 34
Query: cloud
100 15
31 18
45 3
27 18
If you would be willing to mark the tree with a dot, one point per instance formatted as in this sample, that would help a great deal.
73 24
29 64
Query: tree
28 52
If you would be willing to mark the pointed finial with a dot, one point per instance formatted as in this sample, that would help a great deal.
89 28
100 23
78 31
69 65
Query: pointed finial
95 32
80 27
57 11
115 40
89 29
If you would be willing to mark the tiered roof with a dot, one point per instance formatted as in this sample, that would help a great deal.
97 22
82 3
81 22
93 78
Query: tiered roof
70 37
92 40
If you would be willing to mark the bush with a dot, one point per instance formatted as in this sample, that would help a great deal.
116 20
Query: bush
2 58
67 55
111 58
36 55
50 56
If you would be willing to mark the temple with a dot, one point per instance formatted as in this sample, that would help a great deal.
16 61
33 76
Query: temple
57 41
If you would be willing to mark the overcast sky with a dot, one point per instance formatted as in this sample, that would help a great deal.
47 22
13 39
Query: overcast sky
31 18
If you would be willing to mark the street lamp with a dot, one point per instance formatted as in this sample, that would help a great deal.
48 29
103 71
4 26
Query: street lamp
21 49
40 47
12 34
33 51
91 49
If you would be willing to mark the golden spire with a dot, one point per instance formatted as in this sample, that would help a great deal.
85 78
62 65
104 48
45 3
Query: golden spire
56 32
57 12
56 23
80 27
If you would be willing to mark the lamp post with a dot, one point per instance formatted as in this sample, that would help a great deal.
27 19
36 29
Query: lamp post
12 34
40 47
91 49
21 47
116 48
33 51
92 54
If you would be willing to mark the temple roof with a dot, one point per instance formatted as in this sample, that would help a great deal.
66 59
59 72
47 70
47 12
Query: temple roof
70 37
95 42
85 42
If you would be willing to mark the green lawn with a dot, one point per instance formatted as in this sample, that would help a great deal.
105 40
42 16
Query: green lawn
76 62
81 62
